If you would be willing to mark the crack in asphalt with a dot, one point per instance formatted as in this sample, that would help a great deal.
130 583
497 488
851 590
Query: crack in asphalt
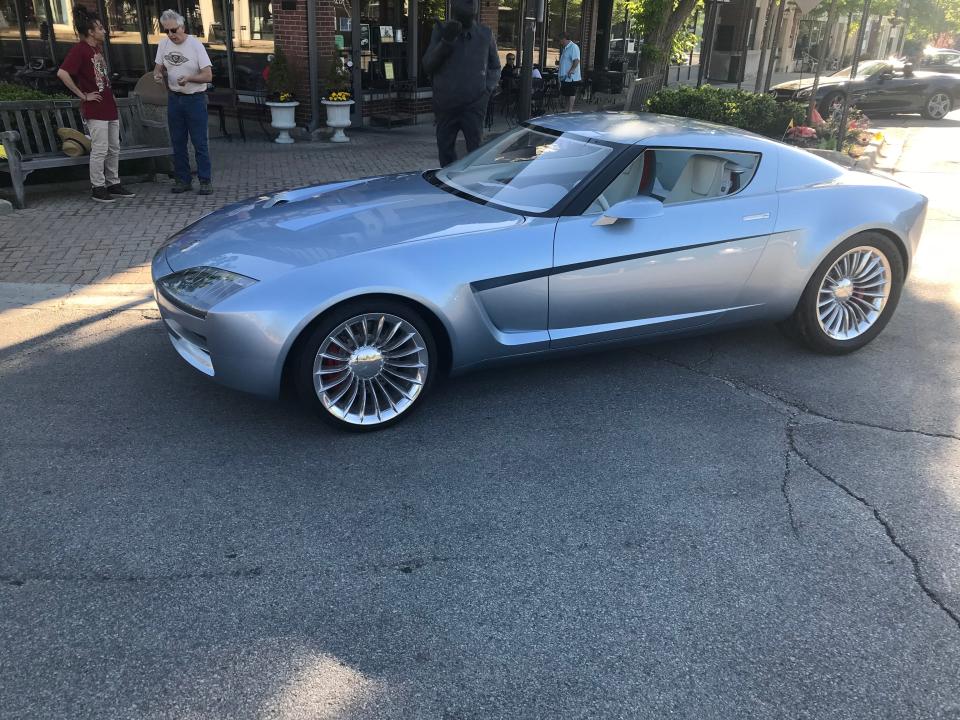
784 486
791 406
887 528
790 428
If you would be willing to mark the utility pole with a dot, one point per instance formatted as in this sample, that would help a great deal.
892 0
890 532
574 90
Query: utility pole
526 77
778 27
706 42
764 41
842 129
831 19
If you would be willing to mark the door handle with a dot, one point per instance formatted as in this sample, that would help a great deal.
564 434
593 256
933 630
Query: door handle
757 216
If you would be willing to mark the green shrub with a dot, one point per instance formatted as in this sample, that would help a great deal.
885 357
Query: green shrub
282 80
11 92
757 113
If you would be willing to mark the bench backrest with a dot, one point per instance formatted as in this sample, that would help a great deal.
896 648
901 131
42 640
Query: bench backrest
37 122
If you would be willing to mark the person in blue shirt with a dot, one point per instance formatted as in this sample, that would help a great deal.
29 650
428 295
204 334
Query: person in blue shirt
569 70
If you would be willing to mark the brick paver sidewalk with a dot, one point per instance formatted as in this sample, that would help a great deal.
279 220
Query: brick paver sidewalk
64 237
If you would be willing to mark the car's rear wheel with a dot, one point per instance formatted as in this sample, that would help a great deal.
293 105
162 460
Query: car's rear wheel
367 365
851 296
937 106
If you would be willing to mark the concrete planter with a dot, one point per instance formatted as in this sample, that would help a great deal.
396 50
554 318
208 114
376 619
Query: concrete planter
338 118
282 118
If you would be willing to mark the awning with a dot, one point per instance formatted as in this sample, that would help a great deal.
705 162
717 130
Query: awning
806 5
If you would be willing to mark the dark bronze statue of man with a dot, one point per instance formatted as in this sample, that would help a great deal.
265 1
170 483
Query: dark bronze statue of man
463 62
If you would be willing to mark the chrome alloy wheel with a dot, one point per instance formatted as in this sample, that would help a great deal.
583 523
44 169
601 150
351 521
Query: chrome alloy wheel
853 293
938 106
370 368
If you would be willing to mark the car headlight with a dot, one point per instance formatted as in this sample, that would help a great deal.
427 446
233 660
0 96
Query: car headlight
803 94
198 289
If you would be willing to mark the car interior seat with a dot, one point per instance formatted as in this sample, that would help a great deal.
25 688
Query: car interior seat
703 177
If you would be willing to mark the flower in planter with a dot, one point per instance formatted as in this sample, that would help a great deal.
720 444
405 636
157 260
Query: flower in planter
281 79
337 80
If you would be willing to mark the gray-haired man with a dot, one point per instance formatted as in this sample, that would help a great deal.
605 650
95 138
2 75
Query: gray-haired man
188 68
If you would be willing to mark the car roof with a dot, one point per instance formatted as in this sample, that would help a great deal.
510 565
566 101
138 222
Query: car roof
648 128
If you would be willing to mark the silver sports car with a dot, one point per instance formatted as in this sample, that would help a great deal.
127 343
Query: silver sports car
578 231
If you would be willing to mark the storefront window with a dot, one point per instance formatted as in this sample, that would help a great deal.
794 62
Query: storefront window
554 28
251 27
261 20
428 11
384 24
508 29
10 48
126 53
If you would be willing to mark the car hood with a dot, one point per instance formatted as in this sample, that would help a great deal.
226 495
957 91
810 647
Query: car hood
267 236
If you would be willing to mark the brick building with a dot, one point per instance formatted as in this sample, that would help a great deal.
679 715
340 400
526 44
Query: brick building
242 35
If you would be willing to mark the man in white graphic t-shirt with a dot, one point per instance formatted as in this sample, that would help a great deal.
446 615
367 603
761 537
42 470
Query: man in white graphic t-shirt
184 60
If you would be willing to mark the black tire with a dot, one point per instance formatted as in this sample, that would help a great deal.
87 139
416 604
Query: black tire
804 324
823 107
944 106
308 355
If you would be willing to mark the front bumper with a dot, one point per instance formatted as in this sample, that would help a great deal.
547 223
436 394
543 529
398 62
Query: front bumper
234 347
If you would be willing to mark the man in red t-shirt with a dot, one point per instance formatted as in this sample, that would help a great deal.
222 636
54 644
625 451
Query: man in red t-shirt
84 72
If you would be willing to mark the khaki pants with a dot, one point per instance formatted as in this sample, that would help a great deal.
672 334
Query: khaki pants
104 152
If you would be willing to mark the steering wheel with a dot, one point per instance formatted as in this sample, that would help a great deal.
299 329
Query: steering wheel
603 202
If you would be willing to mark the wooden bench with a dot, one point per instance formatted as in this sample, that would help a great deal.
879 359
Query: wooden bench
28 130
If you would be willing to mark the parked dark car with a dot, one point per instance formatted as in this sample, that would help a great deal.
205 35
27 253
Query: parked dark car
940 60
881 86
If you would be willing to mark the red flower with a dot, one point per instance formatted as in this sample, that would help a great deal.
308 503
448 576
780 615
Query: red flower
802 131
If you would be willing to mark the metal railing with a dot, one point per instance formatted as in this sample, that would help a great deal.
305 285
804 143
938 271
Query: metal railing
640 90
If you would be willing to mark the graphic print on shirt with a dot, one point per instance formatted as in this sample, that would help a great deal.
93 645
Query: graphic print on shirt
175 58
100 72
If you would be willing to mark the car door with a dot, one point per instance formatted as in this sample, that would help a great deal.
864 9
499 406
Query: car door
905 91
683 269
878 92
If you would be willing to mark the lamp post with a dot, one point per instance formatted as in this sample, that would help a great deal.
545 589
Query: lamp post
842 128
526 78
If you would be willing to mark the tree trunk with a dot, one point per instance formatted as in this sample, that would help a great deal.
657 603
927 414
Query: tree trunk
658 35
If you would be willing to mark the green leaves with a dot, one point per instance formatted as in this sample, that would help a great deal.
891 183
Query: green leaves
11 92
757 113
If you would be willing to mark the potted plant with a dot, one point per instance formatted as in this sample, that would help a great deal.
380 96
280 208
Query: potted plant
337 98
282 101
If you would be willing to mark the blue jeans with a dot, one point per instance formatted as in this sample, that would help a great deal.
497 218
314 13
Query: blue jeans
187 115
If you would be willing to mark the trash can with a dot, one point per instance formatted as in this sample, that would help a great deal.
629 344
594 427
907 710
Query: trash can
733 70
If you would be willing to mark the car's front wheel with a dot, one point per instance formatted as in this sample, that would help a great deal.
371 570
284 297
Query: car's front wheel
851 296
937 106
367 365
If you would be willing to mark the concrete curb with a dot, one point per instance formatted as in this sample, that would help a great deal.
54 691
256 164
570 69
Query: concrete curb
55 296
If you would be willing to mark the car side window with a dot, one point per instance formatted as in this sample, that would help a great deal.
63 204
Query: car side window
673 175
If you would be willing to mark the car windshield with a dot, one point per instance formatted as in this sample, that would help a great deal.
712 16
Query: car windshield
865 70
526 170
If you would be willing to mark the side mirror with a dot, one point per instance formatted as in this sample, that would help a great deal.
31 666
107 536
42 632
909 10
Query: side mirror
640 207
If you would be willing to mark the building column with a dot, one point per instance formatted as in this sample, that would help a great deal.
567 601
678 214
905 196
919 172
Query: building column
604 26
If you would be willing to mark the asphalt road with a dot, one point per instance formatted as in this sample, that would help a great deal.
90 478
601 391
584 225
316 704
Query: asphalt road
725 527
